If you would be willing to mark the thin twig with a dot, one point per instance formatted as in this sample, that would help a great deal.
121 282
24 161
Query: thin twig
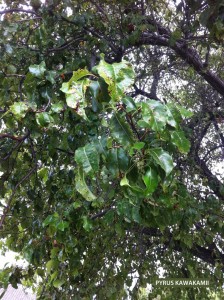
13 137
101 214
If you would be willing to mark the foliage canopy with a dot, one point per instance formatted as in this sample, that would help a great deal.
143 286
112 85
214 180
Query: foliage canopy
111 143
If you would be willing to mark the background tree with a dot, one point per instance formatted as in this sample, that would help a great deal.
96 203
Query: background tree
99 183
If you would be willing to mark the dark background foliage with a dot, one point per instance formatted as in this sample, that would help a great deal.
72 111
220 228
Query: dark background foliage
81 248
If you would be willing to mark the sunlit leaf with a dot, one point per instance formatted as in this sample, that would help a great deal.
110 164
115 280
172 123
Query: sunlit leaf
118 76
38 70
19 109
82 187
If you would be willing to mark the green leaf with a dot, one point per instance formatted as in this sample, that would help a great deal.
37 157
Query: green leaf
163 159
171 117
94 89
76 95
44 119
43 173
65 87
155 114
46 93
50 76
79 74
136 214
77 204
87 223
19 109
117 161
191 268
82 187
87 157
129 103
144 124
187 240
124 208
11 69
124 181
58 283
175 36
38 70
51 219
184 112
151 181
52 265
137 146
62 225
57 107
118 76
178 138
121 131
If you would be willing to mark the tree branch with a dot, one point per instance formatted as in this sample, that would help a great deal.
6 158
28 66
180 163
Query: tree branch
143 93
16 138
188 54
101 214
207 255
12 10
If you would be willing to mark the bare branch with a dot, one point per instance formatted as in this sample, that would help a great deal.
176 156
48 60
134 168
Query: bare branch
66 45
17 10
101 214
143 93
188 54
13 137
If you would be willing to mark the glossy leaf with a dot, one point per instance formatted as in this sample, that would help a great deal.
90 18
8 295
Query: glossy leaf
44 119
87 157
121 131
77 75
82 187
62 225
178 138
155 114
57 107
129 104
151 181
76 94
163 159
118 76
38 70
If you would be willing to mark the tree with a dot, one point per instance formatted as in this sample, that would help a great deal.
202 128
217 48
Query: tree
111 146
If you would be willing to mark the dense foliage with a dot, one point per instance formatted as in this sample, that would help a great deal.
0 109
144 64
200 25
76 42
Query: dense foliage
111 143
